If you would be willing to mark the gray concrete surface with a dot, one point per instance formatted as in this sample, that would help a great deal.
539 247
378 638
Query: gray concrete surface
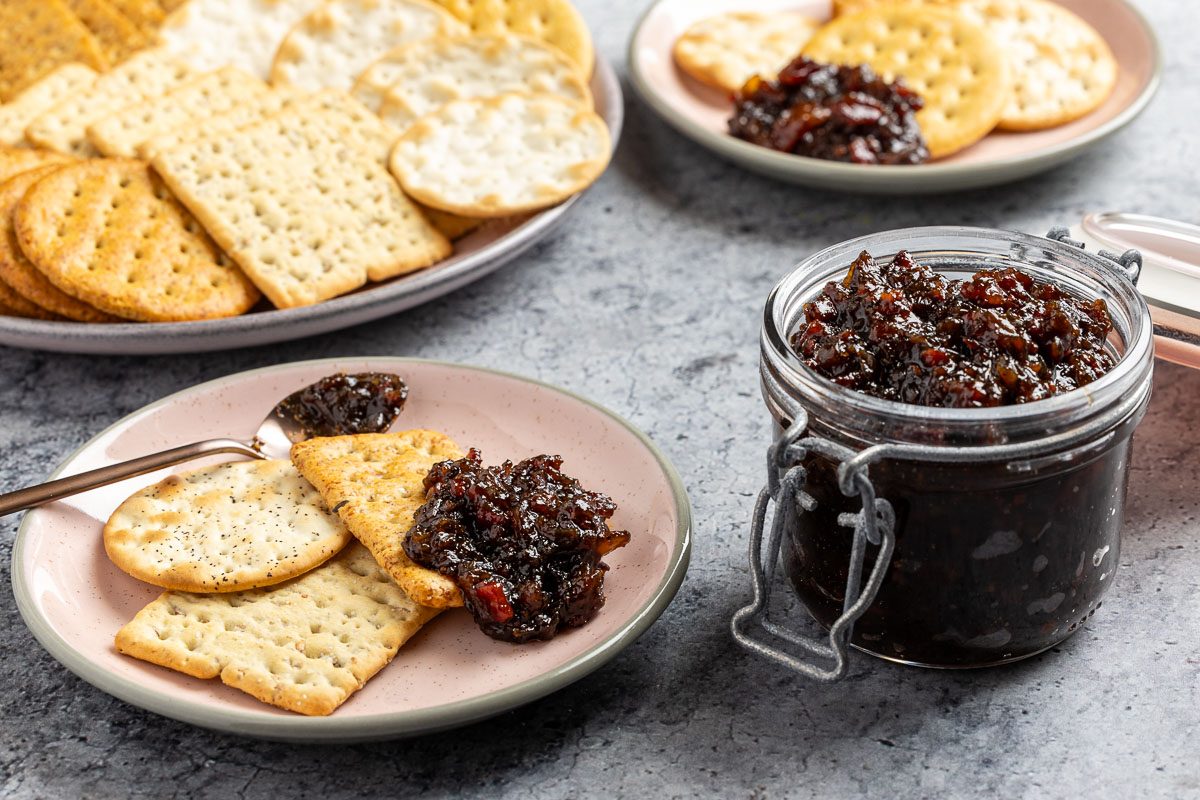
648 300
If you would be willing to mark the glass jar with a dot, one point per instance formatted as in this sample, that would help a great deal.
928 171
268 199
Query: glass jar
992 534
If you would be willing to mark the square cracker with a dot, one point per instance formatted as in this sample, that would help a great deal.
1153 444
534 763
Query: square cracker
249 111
375 483
119 134
36 36
303 201
51 90
148 74
118 37
148 15
305 645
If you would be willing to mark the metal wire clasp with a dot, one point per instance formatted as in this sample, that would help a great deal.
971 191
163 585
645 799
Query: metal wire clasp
1130 261
875 523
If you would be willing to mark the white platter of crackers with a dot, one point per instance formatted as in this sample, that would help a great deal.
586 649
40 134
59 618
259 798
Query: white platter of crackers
275 598
205 174
896 96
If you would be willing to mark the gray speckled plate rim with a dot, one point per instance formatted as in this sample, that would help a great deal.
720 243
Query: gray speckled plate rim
382 726
823 174
269 327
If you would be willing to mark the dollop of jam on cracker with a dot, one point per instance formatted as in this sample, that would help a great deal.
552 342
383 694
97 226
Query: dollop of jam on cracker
838 113
522 541
902 331
343 405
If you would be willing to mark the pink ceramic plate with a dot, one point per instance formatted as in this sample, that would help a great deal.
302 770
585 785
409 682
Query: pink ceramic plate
700 112
74 600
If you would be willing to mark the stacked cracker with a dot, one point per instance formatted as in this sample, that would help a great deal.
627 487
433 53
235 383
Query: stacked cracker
979 65
460 113
100 240
266 588
39 36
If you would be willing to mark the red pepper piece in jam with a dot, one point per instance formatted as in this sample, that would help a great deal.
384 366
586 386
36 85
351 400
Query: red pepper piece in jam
523 542
903 332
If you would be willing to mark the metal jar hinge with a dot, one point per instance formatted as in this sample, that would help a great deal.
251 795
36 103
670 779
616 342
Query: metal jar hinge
874 524
1130 261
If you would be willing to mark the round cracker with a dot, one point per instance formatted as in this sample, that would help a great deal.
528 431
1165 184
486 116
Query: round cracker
841 7
1061 66
109 233
727 50
14 305
431 73
224 528
951 61
21 276
555 21
337 40
15 160
498 156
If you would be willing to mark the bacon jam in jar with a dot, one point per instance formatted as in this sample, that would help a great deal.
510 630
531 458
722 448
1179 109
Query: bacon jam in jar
987 383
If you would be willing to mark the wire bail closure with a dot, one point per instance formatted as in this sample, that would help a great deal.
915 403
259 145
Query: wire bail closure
874 524
1130 261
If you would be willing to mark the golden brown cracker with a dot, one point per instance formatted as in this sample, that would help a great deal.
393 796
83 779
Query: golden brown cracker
147 15
118 37
14 305
841 7
375 482
36 37
20 275
951 61
15 160
555 21
306 645
109 233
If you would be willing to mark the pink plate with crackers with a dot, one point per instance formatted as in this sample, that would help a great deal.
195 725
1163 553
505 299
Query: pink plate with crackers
701 112
74 599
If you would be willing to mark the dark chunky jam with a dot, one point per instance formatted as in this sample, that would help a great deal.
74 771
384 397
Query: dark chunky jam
341 405
839 113
990 565
523 542
903 332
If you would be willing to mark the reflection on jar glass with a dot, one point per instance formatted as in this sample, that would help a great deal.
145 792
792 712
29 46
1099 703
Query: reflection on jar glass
999 556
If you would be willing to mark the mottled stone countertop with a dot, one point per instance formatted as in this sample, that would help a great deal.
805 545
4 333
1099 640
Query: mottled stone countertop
648 300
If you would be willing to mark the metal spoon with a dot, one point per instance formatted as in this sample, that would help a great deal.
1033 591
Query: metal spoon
374 399
273 439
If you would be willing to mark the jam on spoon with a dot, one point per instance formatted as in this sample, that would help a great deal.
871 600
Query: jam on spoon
341 405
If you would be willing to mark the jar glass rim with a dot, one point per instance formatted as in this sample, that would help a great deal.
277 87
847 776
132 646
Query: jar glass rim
804 280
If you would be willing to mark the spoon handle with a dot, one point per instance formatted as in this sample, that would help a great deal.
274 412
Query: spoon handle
65 487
